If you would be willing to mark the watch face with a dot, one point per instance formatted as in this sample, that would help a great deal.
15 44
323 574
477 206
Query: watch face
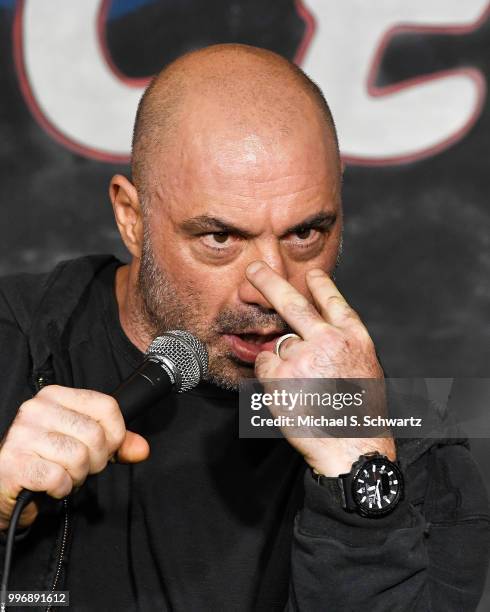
377 486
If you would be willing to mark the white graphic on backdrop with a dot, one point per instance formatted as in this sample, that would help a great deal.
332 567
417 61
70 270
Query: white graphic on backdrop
404 121
83 102
72 85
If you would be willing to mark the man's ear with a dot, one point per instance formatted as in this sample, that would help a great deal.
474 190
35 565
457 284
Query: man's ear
128 213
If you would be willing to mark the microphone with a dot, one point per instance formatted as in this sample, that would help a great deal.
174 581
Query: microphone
175 361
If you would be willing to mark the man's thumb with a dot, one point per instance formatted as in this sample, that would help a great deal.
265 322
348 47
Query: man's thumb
134 448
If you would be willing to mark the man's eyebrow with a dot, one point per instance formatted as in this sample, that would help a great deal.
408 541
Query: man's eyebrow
206 223
321 220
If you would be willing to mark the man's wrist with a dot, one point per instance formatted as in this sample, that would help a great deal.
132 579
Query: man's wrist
324 516
336 463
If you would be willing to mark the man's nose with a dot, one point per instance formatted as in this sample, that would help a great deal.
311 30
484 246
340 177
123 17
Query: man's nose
247 293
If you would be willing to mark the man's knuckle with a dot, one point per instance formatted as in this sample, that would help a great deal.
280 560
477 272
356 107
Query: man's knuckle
292 306
55 474
75 421
27 410
81 456
74 450
97 437
48 391
324 332
293 299
70 418
109 405
18 437
330 337
350 314
57 440
99 463
298 308
58 481
341 306
315 360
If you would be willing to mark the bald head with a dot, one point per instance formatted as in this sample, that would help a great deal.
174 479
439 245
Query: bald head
236 88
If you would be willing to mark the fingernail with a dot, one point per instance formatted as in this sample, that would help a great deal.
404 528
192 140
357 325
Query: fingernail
254 267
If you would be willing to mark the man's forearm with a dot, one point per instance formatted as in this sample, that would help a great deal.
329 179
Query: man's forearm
432 557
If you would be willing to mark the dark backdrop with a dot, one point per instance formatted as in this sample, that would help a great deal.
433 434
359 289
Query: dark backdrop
416 260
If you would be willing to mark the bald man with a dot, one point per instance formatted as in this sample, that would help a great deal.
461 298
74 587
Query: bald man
233 222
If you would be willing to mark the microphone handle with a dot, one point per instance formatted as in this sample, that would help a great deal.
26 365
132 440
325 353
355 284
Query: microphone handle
150 382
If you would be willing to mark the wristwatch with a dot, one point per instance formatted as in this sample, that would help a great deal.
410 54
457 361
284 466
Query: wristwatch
373 487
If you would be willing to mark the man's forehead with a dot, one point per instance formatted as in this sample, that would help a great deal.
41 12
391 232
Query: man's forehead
253 185
251 191
250 164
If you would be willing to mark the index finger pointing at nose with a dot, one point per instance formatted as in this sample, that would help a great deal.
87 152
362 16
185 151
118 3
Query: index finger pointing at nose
293 307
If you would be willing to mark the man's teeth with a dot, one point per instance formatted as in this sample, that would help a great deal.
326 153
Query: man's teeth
255 338
252 338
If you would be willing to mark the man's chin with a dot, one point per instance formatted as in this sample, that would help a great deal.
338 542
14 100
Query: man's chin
246 368
227 371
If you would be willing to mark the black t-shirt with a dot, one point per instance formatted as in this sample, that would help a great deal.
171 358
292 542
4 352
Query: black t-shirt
206 522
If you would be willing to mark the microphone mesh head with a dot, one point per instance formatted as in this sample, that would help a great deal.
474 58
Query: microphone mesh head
188 355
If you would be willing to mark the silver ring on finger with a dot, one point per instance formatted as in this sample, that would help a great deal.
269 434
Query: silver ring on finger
279 341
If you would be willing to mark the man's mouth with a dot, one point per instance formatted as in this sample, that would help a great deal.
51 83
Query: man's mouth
246 346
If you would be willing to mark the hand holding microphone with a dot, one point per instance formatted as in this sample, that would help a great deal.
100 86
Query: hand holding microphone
57 439
63 435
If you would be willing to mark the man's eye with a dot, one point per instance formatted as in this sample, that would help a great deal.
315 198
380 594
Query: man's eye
306 240
303 234
217 240
220 237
